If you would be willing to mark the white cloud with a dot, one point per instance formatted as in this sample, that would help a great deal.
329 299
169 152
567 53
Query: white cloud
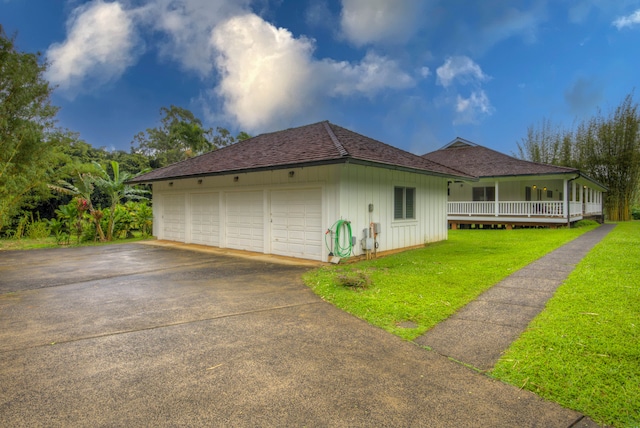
266 72
628 21
101 44
460 68
373 74
380 21
187 25
470 109
269 77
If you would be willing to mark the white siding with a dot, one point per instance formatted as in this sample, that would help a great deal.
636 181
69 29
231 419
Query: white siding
363 185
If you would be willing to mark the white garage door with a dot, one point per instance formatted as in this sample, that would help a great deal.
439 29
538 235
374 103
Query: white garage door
173 218
296 223
245 221
205 218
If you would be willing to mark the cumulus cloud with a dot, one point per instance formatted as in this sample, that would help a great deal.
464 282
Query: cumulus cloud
187 26
459 68
269 77
265 72
471 109
628 21
374 21
463 71
101 44
373 74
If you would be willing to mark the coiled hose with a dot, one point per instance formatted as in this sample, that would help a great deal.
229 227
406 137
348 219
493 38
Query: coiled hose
342 245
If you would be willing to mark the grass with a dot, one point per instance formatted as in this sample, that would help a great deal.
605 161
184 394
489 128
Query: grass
583 350
50 242
427 285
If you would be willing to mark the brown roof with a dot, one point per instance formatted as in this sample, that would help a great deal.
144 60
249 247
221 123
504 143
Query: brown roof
315 144
479 161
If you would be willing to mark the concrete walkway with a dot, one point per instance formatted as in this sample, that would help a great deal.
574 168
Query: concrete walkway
479 333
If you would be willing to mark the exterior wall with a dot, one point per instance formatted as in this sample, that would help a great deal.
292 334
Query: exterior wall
509 190
361 185
346 189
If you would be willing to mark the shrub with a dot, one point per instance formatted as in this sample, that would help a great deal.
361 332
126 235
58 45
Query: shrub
585 223
38 229
635 212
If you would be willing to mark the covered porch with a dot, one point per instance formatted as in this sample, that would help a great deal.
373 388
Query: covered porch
539 201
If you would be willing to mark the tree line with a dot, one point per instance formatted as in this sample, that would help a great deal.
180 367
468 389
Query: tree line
52 180
605 146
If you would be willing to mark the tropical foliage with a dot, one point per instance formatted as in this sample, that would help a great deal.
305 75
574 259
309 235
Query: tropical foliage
53 182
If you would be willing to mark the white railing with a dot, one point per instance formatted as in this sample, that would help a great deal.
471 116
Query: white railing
538 208
472 208
575 209
591 208
512 208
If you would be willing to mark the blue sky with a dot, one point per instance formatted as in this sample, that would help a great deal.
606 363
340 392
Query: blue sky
411 73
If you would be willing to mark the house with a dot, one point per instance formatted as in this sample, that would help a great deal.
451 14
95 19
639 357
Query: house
514 192
285 193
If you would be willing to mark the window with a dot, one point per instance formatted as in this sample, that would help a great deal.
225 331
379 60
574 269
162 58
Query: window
404 203
484 194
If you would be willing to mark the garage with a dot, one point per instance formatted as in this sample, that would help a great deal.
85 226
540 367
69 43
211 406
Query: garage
173 217
205 218
296 223
244 215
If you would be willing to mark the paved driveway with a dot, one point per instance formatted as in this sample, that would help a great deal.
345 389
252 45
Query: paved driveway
141 335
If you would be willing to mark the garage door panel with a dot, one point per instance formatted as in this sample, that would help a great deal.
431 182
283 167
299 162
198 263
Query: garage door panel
205 218
173 216
245 221
296 223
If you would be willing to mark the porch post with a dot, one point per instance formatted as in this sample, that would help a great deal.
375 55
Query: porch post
497 201
565 200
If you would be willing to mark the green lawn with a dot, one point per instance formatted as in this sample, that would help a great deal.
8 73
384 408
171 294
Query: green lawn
583 350
427 285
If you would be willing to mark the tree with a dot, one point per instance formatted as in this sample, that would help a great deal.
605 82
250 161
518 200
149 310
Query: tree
30 146
609 151
546 143
181 135
117 190
606 147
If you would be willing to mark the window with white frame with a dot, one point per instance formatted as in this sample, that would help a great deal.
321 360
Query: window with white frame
404 203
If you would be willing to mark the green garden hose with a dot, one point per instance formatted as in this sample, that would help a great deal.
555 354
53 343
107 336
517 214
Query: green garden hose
342 245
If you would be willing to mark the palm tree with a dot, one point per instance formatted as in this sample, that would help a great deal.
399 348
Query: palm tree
117 190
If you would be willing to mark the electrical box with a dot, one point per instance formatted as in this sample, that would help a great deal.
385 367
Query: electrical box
367 244
376 228
370 208
354 241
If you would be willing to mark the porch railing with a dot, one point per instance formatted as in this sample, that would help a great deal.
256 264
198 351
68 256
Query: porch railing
519 208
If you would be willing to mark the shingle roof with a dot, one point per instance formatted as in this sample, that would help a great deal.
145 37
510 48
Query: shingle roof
481 162
315 144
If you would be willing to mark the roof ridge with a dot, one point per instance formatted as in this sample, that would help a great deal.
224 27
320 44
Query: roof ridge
336 142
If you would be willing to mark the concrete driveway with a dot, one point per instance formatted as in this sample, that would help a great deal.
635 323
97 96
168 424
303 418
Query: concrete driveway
141 335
